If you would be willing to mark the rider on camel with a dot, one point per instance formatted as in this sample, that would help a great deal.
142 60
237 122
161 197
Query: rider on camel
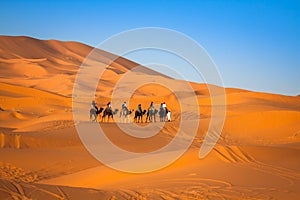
124 109
109 106
139 109
124 106
151 107
94 106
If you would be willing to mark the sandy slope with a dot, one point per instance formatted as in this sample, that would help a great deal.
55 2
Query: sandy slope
42 157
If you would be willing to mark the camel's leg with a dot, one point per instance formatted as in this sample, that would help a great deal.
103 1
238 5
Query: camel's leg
96 118
91 118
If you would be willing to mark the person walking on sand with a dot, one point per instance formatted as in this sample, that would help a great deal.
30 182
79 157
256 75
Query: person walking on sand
169 115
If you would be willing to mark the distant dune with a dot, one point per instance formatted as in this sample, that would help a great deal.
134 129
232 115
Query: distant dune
42 157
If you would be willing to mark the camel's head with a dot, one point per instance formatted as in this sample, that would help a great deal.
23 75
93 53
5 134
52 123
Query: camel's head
115 111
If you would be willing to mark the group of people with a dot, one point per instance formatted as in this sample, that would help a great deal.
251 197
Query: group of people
164 112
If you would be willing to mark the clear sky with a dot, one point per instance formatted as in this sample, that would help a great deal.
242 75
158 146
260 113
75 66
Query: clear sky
255 44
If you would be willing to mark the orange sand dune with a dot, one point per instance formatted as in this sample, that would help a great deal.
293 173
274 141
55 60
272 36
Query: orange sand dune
42 156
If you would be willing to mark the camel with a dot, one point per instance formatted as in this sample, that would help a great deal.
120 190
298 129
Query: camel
94 113
151 115
162 114
109 113
125 114
138 116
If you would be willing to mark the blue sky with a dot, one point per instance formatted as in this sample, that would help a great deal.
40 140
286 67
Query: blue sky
255 44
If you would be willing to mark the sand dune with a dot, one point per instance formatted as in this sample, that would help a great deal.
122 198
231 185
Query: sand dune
42 157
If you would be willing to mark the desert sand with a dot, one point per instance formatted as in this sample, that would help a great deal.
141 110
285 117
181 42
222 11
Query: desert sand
42 157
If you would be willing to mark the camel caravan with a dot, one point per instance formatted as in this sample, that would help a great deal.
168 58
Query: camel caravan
125 113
